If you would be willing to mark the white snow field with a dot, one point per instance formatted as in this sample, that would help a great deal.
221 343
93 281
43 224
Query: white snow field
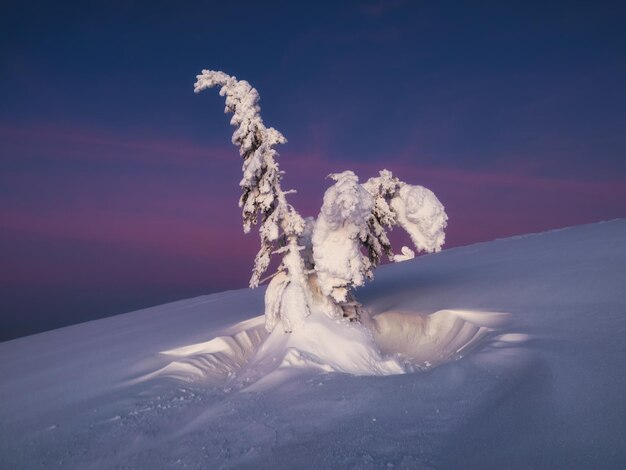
507 354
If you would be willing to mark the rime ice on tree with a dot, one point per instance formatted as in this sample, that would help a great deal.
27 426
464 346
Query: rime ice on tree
322 259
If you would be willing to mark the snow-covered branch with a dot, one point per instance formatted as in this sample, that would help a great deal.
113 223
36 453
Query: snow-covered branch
414 208
261 189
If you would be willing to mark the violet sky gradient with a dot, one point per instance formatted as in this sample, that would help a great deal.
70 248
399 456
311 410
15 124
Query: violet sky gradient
118 185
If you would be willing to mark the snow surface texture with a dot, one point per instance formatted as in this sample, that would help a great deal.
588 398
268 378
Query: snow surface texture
516 347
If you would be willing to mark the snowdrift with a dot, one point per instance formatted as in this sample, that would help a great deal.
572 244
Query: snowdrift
502 354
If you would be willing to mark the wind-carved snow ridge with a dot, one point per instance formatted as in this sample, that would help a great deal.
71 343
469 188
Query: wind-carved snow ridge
390 343
424 341
216 360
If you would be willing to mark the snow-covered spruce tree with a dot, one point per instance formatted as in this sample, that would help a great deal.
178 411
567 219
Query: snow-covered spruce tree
323 259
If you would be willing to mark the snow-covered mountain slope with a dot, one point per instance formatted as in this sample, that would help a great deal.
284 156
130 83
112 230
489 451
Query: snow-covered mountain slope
508 354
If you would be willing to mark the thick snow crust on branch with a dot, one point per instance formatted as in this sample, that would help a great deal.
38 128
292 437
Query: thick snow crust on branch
406 255
420 213
340 230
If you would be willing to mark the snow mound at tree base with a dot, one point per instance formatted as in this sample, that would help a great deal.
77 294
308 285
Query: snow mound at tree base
319 344
393 342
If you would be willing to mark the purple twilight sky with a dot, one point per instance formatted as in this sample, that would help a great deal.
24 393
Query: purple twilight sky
118 185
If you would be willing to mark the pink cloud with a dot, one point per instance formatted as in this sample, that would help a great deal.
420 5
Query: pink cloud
166 234
72 142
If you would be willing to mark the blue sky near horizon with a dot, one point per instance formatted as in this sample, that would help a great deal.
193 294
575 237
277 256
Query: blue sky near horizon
118 185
